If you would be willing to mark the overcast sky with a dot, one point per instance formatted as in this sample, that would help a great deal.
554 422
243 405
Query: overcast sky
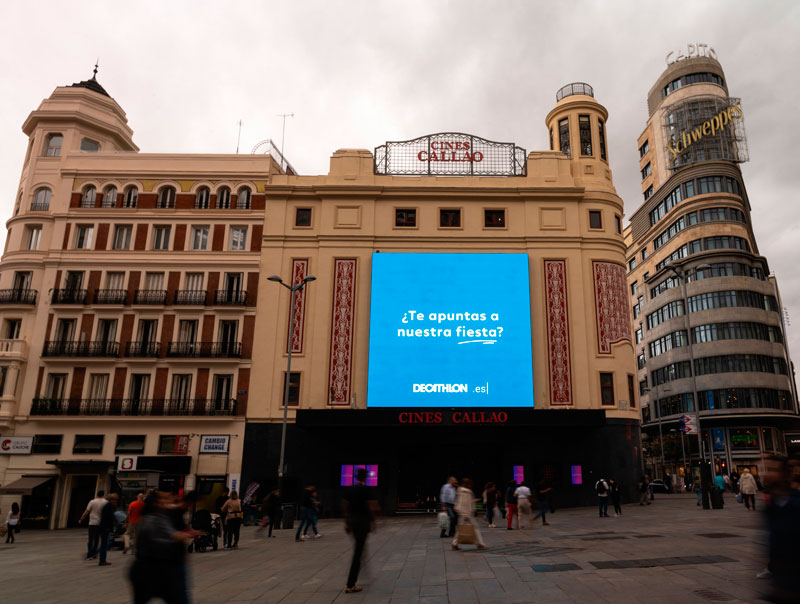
358 73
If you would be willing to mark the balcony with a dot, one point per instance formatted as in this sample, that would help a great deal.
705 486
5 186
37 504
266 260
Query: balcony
70 295
13 349
110 296
191 296
143 349
18 296
229 350
40 207
140 407
70 348
230 297
150 296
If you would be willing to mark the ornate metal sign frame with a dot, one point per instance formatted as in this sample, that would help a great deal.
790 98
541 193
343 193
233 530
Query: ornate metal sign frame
450 154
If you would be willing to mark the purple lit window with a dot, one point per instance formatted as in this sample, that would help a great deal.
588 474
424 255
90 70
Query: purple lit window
350 472
519 474
577 475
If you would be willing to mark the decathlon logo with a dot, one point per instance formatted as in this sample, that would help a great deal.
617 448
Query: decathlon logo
439 388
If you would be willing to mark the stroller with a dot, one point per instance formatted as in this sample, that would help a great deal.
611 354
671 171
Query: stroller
115 539
208 523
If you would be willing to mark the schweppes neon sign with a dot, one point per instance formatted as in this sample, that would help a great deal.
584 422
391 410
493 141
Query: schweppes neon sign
711 127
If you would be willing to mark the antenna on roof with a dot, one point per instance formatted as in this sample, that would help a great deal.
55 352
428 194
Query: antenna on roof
239 138
283 130
96 65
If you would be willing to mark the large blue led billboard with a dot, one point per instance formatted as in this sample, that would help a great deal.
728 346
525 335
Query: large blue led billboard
450 330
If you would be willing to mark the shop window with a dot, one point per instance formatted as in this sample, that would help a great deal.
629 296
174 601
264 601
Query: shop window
52 147
405 217
238 238
89 146
607 388
243 199
595 219
47 443
166 198
449 218
585 134
294 388
302 217
88 443
494 218
224 198
127 443
744 438
131 197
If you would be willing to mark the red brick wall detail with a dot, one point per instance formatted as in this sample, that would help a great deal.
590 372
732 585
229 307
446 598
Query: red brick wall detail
167 326
160 386
147 201
140 242
75 200
173 282
133 284
180 237
258 202
102 236
39 379
558 345
65 245
218 239
242 385
184 201
611 302
255 238
213 286
87 321
126 333
247 336
118 386
342 316
294 334
252 289
94 284
208 328
201 389
76 388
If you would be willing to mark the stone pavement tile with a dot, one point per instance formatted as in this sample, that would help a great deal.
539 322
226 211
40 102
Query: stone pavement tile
488 590
462 591
433 590
434 600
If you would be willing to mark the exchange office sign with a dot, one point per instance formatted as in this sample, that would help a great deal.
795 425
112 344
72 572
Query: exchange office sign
450 154
16 445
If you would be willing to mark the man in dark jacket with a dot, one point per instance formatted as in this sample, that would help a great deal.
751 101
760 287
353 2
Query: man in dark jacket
107 523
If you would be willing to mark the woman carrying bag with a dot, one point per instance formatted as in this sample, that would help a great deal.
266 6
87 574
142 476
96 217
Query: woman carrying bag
12 522
467 529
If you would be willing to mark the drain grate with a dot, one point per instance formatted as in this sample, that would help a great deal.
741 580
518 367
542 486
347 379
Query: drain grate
718 535
714 596
554 568
523 549
650 562
604 538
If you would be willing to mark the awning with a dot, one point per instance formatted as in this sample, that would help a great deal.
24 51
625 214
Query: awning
66 463
24 485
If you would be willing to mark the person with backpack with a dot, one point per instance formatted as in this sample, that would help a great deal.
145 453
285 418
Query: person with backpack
601 489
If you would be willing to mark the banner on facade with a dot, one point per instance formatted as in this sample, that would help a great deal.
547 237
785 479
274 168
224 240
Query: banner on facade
182 444
16 445
214 443
127 463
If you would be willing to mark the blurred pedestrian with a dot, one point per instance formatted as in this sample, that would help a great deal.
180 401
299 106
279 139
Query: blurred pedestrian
107 524
233 519
783 520
93 509
135 509
306 506
616 494
12 522
221 500
465 509
601 489
644 489
543 499
511 504
747 487
447 497
272 509
490 502
523 495
359 508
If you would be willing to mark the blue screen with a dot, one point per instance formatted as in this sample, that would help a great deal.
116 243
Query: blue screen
450 330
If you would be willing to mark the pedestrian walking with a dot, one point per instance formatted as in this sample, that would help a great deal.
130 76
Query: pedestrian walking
313 516
12 522
543 499
719 482
747 487
511 504
601 489
221 500
359 512
233 518
107 523
644 489
523 494
134 516
306 506
783 520
447 497
616 494
490 502
93 509
272 508
465 509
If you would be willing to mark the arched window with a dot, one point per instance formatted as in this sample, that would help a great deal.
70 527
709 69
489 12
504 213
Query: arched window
243 200
89 145
224 198
110 197
166 197
131 197
52 147
89 196
41 200
202 197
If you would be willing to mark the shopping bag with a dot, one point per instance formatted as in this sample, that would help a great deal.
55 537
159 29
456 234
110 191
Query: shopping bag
444 520
465 534
739 498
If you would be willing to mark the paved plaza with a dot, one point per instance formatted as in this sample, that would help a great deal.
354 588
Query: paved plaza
668 552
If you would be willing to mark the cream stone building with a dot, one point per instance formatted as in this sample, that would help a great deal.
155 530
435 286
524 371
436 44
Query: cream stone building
707 317
128 289
449 193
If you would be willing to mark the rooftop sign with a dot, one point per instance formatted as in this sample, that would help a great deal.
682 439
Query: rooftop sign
450 154
693 51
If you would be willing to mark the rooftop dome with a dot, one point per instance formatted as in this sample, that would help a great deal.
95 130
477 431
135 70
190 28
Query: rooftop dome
575 88
92 84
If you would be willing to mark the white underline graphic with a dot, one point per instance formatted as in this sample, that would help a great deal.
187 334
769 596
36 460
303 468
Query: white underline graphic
478 342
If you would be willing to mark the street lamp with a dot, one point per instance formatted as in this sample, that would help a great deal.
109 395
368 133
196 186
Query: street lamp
657 408
294 289
683 452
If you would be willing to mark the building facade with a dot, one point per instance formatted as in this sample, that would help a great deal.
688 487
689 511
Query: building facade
128 289
403 228
707 318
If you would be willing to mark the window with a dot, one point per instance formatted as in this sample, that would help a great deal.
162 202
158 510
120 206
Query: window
585 133
646 171
643 389
34 237
187 331
161 237
122 237
674 371
631 392
551 139
302 217
153 281
131 197
139 389
199 237
22 280
41 200
648 192
601 129
98 387
595 219
676 339
631 264
56 384
194 281
494 218
47 443
221 392
243 199
115 280
166 198
666 312
294 388
110 197
129 444
52 146
644 148
641 361
88 443
89 197
449 218
745 398
639 334
736 331
405 217
181 391
83 236
644 253
618 228
166 444
607 388
106 331
238 238
563 135
729 299
738 363
223 198
634 287
89 145
12 329
202 198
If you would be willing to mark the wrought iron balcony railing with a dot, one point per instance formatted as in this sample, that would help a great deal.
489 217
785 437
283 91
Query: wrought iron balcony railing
40 207
71 348
110 296
143 349
129 406
230 297
18 296
70 295
231 350
150 296
191 296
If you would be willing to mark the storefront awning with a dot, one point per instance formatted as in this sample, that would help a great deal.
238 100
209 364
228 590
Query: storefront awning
24 485
79 462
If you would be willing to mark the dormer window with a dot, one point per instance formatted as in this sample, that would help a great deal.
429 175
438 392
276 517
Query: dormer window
243 200
166 198
52 147
89 196
89 145
202 198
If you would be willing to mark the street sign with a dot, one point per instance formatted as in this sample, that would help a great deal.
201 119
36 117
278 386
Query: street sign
688 419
